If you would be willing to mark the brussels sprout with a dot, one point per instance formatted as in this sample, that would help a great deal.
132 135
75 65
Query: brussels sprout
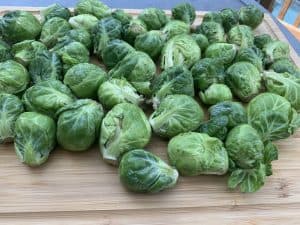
16 26
241 35
92 7
34 138
78 124
196 153
176 114
153 18
83 21
175 27
10 109
24 52
251 16
114 52
134 28
47 97
45 66
215 127
244 80
212 17
151 43
122 16
285 65
14 78
252 55
222 51
213 31
180 50
206 72
5 53
215 93
138 69
261 40
115 91
174 80
185 12
201 40
272 116
79 35
230 18
55 10
123 129
84 79
276 50
141 171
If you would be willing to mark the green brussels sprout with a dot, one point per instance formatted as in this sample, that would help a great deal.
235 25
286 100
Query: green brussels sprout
180 50
16 26
124 128
175 27
272 116
122 16
138 69
206 72
45 66
196 153
212 30
92 7
215 127
114 52
14 77
230 18
215 93
5 53
251 16
141 171
185 12
212 17
47 97
134 28
223 51
176 114
10 109
201 40
24 52
55 10
153 18
115 91
34 138
151 43
244 80
241 35
276 50
78 124
84 79
285 65
79 35
252 55
261 40
83 21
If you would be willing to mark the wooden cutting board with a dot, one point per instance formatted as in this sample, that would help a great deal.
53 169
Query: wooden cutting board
80 189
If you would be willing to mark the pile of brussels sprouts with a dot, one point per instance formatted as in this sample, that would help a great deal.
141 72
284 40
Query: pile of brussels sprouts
51 94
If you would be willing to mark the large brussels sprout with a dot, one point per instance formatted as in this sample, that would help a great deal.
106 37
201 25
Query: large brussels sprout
196 153
115 91
185 12
223 51
137 68
261 40
153 18
34 138
251 16
14 77
122 16
5 53
125 127
212 16
201 40
244 80
252 55
134 28
285 65
84 79
180 50
93 7
47 97
175 27
10 109
55 10
176 114
215 93
78 124
141 171
230 18
213 31
83 21
275 50
241 35
79 35
16 26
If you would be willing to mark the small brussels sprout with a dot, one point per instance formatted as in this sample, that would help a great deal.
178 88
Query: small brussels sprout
251 16
55 10
84 79
244 80
176 114
215 127
252 55
185 12
230 18
261 40
215 93
138 69
206 72
223 51
16 26
201 40
151 43
124 128
79 35
175 27
34 138
92 7
213 31
241 35
285 65
78 124
24 52
134 28
153 18
212 17
122 16
141 171
276 50
180 50
196 153
83 21
47 97
10 109
114 52
115 91
14 77
5 53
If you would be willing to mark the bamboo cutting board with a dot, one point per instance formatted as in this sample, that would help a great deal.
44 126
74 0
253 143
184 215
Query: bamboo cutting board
80 189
